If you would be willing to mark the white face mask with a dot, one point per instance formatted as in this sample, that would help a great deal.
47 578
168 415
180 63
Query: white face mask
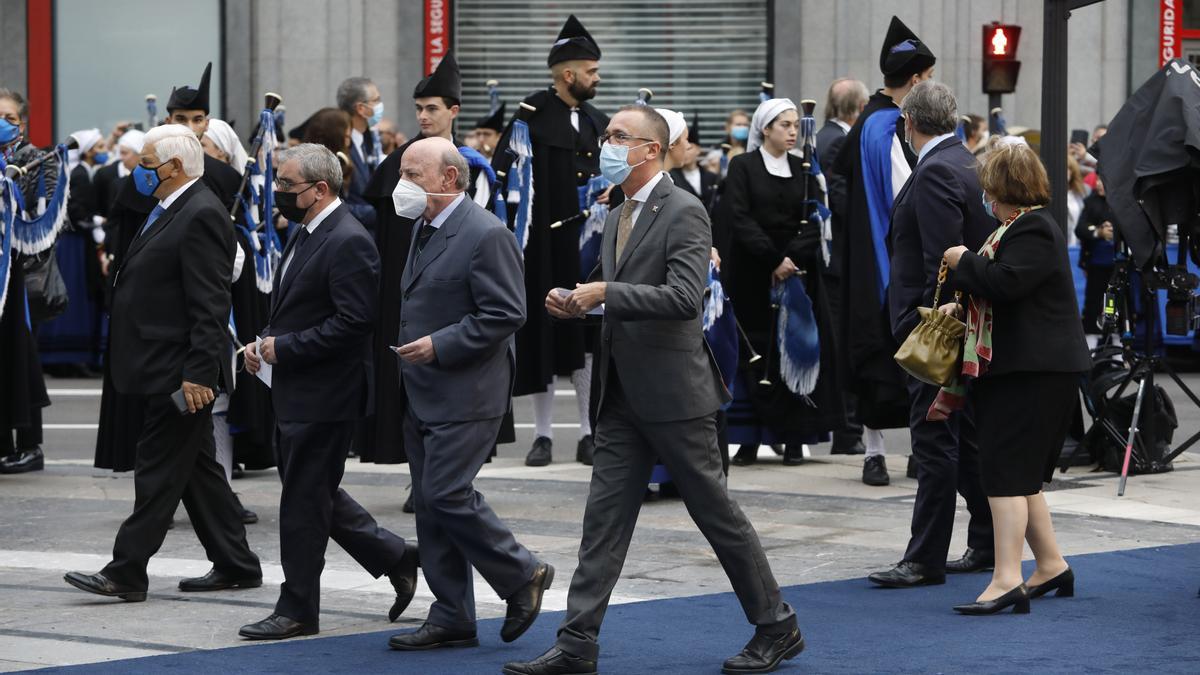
410 200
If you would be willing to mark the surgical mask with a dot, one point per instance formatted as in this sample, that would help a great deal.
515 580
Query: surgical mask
286 203
146 179
100 158
987 206
908 141
376 115
740 132
410 200
614 162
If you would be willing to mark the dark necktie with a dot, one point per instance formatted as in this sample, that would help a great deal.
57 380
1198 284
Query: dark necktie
301 237
423 237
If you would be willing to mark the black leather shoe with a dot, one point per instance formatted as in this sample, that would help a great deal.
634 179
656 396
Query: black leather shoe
972 560
668 490
1017 598
908 575
855 448
746 455
276 627
524 605
429 636
217 581
793 454
23 461
875 471
404 580
584 450
248 517
408 502
764 653
910 471
540 454
553 662
1063 585
102 585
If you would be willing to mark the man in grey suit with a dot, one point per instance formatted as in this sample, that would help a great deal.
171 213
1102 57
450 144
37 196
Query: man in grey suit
464 298
659 390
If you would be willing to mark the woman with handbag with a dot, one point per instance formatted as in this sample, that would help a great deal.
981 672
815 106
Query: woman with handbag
1022 359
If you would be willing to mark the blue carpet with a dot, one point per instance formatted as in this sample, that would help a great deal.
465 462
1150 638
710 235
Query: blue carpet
1134 612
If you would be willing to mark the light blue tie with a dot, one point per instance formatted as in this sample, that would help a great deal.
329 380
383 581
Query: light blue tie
154 215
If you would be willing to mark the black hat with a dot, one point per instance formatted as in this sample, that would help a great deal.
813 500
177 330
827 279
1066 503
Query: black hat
694 129
186 98
574 42
495 121
444 81
903 52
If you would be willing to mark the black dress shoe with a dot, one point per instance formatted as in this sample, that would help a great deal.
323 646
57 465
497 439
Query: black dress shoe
908 575
910 471
540 454
875 471
102 585
972 560
404 580
668 490
1017 598
524 605
553 662
408 502
276 627
584 450
793 454
429 636
1063 585
217 581
248 517
746 455
855 448
23 461
764 653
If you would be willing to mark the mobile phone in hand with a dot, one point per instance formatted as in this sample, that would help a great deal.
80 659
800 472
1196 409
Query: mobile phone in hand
1079 136
180 402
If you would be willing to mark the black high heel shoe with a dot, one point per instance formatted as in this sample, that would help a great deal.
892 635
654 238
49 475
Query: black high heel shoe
1017 598
1063 585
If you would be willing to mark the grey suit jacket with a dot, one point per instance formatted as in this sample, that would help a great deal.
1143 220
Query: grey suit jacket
652 333
467 291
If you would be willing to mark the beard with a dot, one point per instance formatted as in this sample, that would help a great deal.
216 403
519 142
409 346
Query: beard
581 93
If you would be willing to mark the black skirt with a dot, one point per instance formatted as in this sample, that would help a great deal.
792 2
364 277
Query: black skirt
1022 420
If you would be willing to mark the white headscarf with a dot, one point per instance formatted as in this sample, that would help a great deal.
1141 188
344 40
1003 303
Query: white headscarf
226 139
87 139
675 124
132 139
765 114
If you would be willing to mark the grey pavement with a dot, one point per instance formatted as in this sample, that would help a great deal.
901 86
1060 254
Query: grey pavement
817 521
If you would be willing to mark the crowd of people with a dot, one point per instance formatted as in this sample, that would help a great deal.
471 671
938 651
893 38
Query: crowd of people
402 316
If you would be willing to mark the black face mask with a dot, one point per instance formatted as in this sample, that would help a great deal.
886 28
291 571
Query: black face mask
286 203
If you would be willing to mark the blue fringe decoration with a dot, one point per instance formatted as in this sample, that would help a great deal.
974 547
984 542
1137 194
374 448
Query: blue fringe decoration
798 342
720 327
256 212
520 179
591 232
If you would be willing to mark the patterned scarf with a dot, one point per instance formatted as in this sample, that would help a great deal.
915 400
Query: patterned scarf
977 346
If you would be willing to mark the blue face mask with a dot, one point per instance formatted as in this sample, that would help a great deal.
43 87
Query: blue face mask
376 115
740 132
987 206
614 162
100 158
146 179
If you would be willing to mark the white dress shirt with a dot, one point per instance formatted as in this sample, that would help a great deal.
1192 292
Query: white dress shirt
925 150
643 194
311 227
776 166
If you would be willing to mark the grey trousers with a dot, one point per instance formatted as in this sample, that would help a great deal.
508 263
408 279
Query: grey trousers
626 448
456 528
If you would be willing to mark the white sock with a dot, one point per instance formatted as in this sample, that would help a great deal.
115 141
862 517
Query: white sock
543 413
582 379
1092 340
873 439
224 444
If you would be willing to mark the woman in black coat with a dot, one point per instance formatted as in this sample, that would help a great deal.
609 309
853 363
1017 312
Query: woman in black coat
1025 346
761 205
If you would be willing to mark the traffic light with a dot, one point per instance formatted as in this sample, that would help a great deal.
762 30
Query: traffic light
1000 64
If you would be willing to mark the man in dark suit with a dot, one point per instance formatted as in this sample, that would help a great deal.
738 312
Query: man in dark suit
359 98
464 298
317 341
170 310
659 387
939 207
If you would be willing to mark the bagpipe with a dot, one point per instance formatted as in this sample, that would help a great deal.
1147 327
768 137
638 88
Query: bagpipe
254 202
518 180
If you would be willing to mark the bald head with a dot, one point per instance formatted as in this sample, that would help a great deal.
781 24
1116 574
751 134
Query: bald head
438 168
845 100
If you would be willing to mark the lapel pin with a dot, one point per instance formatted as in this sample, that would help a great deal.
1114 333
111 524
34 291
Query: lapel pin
654 209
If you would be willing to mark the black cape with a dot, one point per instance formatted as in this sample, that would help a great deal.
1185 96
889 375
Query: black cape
563 160
867 345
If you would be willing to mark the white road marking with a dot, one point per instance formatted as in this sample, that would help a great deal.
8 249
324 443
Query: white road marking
92 426
74 392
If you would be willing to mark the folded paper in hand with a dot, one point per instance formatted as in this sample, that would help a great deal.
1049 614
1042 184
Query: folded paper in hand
264 368
565 293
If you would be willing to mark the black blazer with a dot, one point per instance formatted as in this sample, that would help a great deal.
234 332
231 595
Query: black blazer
81 203
322 315
105 184
171 299
708 183
940 206
1035 313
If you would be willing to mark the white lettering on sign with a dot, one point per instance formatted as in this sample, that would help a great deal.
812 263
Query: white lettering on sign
1166 33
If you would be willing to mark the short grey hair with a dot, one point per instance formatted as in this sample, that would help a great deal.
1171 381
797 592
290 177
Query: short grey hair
317 163
173 141
351 92
930 108
845 99
455 159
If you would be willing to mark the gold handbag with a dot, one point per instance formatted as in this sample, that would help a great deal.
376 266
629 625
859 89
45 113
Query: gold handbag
932 353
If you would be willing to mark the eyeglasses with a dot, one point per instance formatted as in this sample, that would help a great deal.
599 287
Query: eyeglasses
285 185
621 138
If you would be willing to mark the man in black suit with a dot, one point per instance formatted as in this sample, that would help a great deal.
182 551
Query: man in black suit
939 207
189 107
170 310
317 341
359 98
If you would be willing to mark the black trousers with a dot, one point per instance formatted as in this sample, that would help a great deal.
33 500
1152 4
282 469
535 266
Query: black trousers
175 460
947 457
852 432
313 508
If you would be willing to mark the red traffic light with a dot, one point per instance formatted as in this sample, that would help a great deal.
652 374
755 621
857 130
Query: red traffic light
1000 41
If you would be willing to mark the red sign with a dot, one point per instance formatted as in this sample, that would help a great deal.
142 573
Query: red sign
1168 31
438 32
999 43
